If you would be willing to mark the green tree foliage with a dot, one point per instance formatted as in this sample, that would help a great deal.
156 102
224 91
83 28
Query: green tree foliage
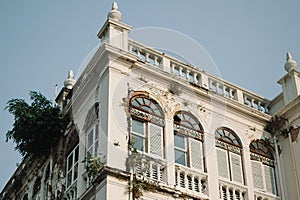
37 127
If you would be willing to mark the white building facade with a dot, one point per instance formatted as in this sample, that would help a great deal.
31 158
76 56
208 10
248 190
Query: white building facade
147 126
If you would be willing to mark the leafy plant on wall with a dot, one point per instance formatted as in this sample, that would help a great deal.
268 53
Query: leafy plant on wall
93 165
138 165
37 126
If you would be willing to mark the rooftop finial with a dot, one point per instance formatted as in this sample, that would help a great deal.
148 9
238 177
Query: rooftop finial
115 13
70 81
290 63
115 6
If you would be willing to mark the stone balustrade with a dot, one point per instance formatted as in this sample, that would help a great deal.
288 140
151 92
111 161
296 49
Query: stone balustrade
151 169
191 181
197 77
146 54
230 191
222 88
71 192
256 102
263 196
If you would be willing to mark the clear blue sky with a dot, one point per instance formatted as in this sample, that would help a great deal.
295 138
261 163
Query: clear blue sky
41 40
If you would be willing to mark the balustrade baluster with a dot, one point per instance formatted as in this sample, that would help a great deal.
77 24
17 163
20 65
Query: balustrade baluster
155 61
180 72
233 194
146 57
195 78
138 52
151 170
231 93
178 178
227 193
173 69
224 91
158 172
252 102
241 195
186 181
220 192
217 87
188 75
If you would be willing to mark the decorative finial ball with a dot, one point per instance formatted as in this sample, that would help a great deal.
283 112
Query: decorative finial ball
70 81
290 63
115 13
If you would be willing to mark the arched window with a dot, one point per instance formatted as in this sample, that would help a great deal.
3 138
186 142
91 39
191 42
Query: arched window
147 121
263 166
25 197
91 127
36 188
188 141
229 155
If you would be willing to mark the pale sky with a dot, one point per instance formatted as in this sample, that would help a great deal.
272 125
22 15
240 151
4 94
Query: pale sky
41 41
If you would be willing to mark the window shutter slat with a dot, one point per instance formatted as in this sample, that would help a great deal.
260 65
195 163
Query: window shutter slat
196 154
236 168
257 175
222 163
270 179
155 139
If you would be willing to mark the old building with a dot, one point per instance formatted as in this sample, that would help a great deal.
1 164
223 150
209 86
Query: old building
145 125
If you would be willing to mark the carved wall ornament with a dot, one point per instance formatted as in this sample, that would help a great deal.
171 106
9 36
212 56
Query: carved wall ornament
174 89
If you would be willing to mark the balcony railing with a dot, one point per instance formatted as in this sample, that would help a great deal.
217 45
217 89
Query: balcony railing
197 77
262 196
230 191
151 169
71 192
192 182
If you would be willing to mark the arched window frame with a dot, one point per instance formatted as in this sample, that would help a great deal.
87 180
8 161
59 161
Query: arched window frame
36 187
25 197
229 155
188 141
146 125
263 166
91 128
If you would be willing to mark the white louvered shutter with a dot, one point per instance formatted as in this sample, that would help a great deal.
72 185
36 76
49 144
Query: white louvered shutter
196 154
257 175
155 139
236 168
222 163
270 179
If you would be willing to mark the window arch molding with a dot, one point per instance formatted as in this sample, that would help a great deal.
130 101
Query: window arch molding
229 155
146 124
92 116
262 148
229 136
147 105
188 119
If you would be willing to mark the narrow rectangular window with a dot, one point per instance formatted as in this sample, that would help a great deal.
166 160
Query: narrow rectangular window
196 154
257 175
92 140
138 136
223 168
236 168
155 139
180 149
270 179
72 167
